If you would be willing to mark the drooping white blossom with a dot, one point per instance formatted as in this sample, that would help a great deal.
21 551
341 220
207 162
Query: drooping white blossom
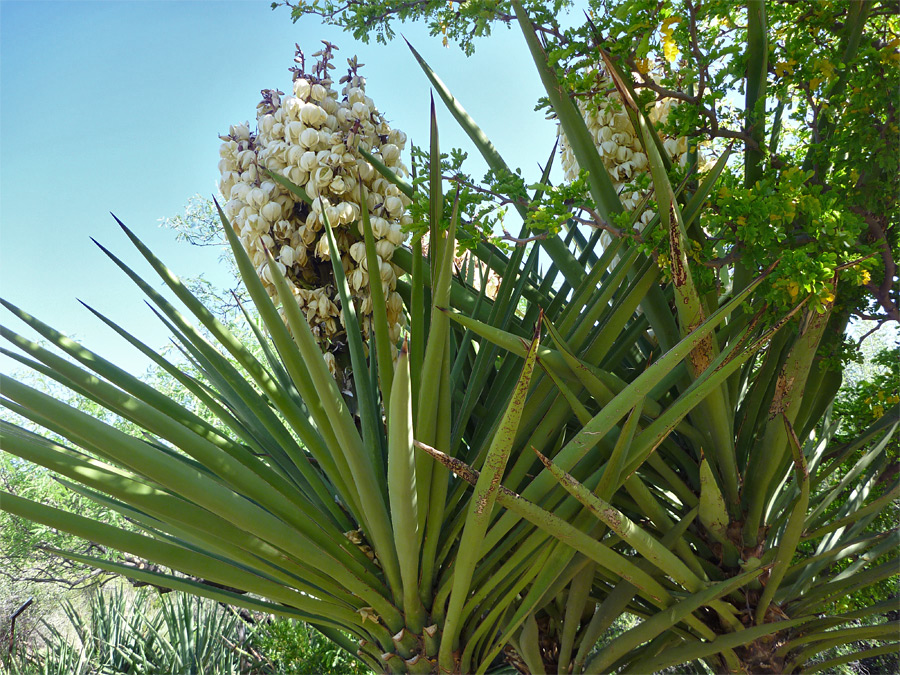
311 137
619 144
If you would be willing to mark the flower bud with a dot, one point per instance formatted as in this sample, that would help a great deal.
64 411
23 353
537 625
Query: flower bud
322 250
294 153
240 132
380 227
300 255
293 108
265 124
228 150
271 211
390 153
333 215
387 272
366 170
398 138
292 132
358 279
301 88
309 138
395 235
358 251
308 161
322 176
360 111
307 113
286 256
385 249
256 198
394 331
394 206
338 186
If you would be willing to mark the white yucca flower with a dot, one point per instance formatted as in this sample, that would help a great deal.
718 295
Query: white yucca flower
311 138
619 143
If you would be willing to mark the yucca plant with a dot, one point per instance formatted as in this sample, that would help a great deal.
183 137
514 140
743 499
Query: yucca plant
522 468
141 632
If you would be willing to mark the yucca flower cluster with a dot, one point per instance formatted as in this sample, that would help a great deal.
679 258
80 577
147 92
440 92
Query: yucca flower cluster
312 138
618 142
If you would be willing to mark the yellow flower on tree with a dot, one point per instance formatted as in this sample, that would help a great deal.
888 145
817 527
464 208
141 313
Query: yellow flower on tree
670 49
783 68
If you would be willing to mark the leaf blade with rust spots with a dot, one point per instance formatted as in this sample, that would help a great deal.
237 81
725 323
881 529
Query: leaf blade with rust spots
687 299
482 503
625 528
564 531
691 315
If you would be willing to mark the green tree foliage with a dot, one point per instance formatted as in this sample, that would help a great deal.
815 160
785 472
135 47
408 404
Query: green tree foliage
821 140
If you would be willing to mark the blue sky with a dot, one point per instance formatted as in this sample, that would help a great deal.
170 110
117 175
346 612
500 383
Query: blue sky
117 106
